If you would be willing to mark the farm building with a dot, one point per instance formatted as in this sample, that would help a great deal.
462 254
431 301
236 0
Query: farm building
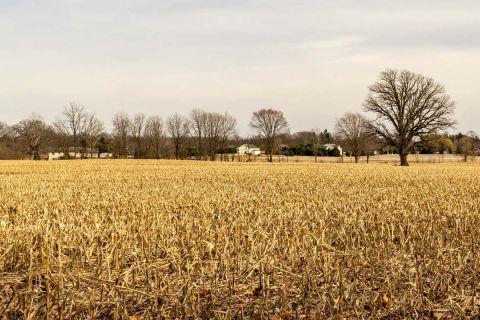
332 146
248 149
85 153
55 155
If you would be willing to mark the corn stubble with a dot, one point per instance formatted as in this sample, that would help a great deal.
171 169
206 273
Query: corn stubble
166 239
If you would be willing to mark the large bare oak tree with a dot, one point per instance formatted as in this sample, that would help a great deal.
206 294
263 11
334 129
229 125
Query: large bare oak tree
408 106
269 124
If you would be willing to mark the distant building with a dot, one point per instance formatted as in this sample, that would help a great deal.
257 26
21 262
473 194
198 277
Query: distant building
249 149
85 153
105 155
55 155
332 146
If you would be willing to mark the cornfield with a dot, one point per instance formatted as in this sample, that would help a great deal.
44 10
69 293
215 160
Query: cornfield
198 240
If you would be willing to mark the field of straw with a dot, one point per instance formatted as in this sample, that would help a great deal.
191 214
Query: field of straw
198 240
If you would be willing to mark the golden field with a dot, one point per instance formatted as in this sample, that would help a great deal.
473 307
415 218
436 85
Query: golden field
196 240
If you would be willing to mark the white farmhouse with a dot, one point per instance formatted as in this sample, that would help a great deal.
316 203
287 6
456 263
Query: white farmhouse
55 155
332 146
87 154
248 149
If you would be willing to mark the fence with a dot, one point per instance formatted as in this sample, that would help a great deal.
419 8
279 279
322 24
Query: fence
384 158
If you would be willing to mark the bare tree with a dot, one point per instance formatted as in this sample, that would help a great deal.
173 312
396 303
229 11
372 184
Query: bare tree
326 137
210 130
137 129
178 129
92 130
121 130
198 124
269 124
5 130
62 137
213 133
408 106
31 132
352 130
466 145
73 122
154 135
227 131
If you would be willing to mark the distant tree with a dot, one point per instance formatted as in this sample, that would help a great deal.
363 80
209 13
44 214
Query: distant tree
297 138
212 132
408 106
72 123
325 137
5 130
314 139
7 142
269 124
60 137
92 130
121 129
178 129
476 143
435 143
154 135
137 130
352 130
198 126
227 131
102 145
31 132
467 145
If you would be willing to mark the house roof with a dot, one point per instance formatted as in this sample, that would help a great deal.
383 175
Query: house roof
80 149
249 146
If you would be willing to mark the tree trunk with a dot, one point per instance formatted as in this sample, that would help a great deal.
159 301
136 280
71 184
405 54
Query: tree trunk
356 158
270 155
177 153
368 158
74 145
466 157
403 159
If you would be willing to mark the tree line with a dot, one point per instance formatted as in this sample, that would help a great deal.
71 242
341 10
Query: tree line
404 113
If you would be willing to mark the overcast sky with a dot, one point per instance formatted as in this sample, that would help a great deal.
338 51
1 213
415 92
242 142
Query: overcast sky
311 59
